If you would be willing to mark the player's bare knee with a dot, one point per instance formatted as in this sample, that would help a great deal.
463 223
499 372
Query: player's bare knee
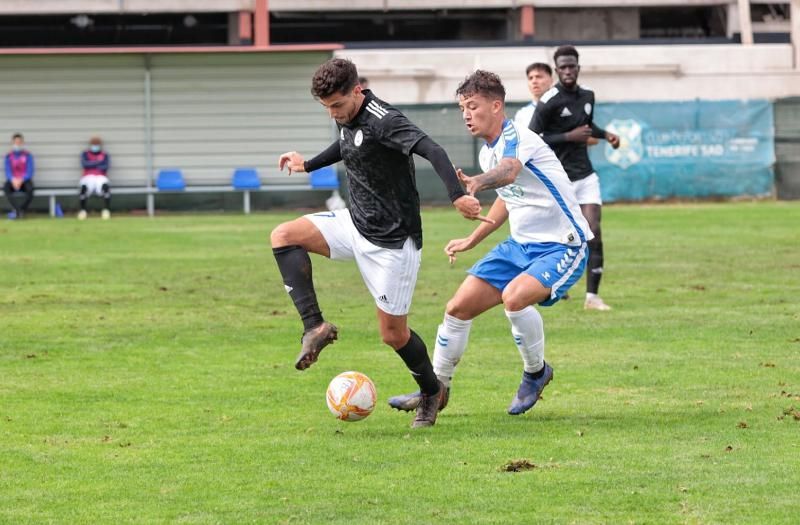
455 309
281 235
395 338
514 302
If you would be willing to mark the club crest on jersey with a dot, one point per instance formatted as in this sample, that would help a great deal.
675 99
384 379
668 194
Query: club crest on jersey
359 138
566 112
587 108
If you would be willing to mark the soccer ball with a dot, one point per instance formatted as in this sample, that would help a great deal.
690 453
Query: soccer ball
351 396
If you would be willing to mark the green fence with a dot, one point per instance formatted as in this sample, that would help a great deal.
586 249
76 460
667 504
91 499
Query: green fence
787 148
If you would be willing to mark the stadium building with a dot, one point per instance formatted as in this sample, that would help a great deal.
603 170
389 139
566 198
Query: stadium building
205 87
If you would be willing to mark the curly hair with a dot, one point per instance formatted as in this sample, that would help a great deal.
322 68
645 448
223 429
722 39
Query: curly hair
483 83
565 51
337 75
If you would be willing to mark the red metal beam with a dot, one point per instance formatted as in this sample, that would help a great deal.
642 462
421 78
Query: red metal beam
527 26
245 27
261 23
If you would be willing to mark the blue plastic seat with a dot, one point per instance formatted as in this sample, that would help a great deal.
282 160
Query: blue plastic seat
170 180
245 179
325 179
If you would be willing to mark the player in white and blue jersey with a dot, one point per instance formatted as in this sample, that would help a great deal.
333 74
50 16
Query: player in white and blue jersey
540 78
544 255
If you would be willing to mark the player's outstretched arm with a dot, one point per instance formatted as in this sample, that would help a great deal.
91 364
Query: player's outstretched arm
466 204
501 175
295 162
497 215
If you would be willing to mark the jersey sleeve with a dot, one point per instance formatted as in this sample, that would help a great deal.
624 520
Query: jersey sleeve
597 131
511 141
399 133
525 144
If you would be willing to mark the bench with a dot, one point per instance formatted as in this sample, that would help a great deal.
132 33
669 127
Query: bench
244 180
53 193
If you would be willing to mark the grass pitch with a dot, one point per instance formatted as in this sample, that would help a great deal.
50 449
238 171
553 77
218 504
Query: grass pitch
146 377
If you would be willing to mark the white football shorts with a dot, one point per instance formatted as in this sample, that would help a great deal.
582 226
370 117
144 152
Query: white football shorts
94 184
588 190
390 275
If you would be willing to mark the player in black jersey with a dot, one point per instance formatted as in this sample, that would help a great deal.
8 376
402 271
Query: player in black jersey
382 229
564 119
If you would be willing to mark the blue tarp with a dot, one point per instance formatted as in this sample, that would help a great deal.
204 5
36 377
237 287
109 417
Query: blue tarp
686 149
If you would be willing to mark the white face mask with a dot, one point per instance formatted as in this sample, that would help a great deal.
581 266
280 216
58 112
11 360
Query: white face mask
95 148
16 147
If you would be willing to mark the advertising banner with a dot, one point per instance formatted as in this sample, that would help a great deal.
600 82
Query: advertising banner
694 149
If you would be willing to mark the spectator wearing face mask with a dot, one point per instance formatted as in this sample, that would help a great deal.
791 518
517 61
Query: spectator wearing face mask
95 162
19 176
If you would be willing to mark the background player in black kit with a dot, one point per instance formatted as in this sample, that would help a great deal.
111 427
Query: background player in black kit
564 119
382 230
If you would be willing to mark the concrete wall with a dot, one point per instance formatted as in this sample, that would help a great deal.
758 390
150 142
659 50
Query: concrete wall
588 24
189 6
48 7
616 73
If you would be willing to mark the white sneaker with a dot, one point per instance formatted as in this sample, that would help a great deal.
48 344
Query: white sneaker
105 214
595 303
82 215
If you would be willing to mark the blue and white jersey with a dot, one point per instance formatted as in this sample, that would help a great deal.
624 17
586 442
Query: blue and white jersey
522 118
541 202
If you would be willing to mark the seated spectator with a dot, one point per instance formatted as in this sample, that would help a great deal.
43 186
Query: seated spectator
95 163
19 176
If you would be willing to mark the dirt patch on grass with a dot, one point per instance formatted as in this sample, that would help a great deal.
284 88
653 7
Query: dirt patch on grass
518 465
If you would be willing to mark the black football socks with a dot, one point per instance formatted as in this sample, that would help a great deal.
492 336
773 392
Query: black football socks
594 266
295 267
415 355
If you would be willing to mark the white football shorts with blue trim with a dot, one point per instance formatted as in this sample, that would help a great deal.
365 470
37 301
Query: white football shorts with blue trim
390 274
555 265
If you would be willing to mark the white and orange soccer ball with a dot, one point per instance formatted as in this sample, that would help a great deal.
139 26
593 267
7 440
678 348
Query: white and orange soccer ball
351 396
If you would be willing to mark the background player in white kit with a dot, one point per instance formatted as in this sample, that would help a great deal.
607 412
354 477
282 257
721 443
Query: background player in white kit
543 257
540 79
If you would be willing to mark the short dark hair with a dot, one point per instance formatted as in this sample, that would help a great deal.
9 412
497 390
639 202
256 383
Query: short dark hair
565 51
483 83
337 75
16 136
539 66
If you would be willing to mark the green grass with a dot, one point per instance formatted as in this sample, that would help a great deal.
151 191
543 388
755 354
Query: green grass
146 377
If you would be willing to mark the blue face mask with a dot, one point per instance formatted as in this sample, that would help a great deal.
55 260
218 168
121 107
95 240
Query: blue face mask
16 147
95 148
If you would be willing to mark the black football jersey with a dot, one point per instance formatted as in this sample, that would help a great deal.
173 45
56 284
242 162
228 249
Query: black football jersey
376 150
559 111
